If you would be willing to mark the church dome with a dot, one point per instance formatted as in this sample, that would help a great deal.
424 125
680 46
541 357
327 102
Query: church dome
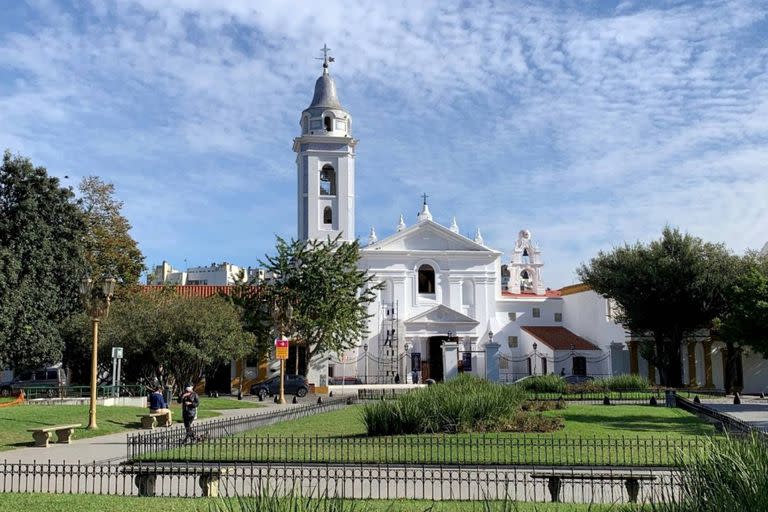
325 94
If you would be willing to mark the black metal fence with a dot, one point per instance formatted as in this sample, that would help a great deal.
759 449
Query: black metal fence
372 481
42 391
145 443
475 449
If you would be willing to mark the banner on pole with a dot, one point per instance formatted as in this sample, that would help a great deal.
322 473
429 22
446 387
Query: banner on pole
281 349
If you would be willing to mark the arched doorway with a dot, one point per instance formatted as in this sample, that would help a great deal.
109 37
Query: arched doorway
435 357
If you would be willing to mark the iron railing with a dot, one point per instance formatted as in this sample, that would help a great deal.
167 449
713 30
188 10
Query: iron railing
448 449
142 445
370 481
53 391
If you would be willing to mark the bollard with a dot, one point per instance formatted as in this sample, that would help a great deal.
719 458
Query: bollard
294 401
736 399
606 400
319 400
330 394
696 399
653 401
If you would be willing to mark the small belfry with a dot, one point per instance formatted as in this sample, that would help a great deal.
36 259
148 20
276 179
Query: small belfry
525 266
325 163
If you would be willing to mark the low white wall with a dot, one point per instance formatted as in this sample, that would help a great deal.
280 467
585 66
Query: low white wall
130 401
351 389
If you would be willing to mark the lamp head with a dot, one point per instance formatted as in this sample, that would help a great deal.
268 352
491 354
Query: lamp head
85 286
535 346
108 287
365 347
490 335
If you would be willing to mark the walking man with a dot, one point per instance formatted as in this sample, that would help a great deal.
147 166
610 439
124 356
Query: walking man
189 404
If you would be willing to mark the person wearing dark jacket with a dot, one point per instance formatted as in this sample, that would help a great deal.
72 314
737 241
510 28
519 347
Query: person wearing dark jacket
190 401
157 403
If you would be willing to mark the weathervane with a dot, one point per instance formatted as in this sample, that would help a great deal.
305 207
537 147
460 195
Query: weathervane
325 58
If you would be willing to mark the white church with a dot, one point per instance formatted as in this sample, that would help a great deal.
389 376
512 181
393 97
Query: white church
450 303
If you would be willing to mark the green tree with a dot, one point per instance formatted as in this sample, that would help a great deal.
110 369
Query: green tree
328 292
667 289
172 338
110 249
745 323
41 263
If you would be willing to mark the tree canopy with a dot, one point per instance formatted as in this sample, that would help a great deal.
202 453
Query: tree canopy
667 290
109 247
167 337
746 321
328 293
41 263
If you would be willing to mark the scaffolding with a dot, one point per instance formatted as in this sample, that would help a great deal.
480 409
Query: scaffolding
388 344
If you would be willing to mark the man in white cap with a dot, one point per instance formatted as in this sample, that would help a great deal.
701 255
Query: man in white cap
189 404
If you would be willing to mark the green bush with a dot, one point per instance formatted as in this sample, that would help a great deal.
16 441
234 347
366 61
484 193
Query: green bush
543 384
464 404
625 383
728 475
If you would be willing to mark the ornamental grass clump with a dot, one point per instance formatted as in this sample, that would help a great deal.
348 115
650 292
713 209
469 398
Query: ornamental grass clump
465 404
550 383
624 383
729 475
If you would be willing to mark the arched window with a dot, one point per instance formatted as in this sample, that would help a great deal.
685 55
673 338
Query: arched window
327 215
426 279
327 181
526 256
328 123
526 283
467 293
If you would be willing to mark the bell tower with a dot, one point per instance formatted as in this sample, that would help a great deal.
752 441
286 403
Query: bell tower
325 163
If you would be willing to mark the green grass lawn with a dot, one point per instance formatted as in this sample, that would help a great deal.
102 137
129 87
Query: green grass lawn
593 435
14 421
92 503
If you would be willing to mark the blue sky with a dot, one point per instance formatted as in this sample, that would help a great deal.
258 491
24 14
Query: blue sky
589 123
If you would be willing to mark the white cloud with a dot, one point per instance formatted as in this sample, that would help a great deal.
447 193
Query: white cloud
589 128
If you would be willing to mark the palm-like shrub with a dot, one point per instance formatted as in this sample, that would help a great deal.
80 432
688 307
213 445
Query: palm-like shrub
625 383
464 404
550 383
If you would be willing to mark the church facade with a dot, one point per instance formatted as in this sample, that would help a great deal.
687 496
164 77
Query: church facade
449 303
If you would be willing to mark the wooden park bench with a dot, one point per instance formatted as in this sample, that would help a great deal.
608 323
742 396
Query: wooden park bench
146 476
152 419
41 435
555 481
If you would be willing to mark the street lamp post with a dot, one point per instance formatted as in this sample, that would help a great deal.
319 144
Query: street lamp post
365 350
282 317
96 301
535 356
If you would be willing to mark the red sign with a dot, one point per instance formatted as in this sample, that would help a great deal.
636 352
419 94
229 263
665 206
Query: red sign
281 349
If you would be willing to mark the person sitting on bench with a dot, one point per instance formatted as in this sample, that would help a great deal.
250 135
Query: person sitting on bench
157 403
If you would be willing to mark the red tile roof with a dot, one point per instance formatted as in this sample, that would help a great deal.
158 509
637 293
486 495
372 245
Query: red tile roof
193 290
548 294
559 338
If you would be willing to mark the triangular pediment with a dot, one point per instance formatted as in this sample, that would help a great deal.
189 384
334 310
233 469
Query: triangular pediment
427 236
441 314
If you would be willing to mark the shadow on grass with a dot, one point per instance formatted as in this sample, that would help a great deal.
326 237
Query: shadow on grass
682 425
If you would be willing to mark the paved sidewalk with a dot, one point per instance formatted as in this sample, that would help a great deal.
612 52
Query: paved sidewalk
753 412
111 447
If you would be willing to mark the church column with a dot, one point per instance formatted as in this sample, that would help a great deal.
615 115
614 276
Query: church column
708 382
634 366
691 350
454 291
651 372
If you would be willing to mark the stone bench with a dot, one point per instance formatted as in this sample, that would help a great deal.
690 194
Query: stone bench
41 435
153 419
555 481
146 477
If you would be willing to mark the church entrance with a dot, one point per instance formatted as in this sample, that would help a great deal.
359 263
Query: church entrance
435 355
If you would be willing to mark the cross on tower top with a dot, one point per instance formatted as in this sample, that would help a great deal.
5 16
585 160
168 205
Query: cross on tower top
424 196
325 58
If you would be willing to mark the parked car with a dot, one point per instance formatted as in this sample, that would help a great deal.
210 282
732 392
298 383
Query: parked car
52 377
294 385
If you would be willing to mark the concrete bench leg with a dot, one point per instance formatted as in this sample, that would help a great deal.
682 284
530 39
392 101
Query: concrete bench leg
41 438
148 422
209 484
146 484
164 421
553 484
633 489
65 435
